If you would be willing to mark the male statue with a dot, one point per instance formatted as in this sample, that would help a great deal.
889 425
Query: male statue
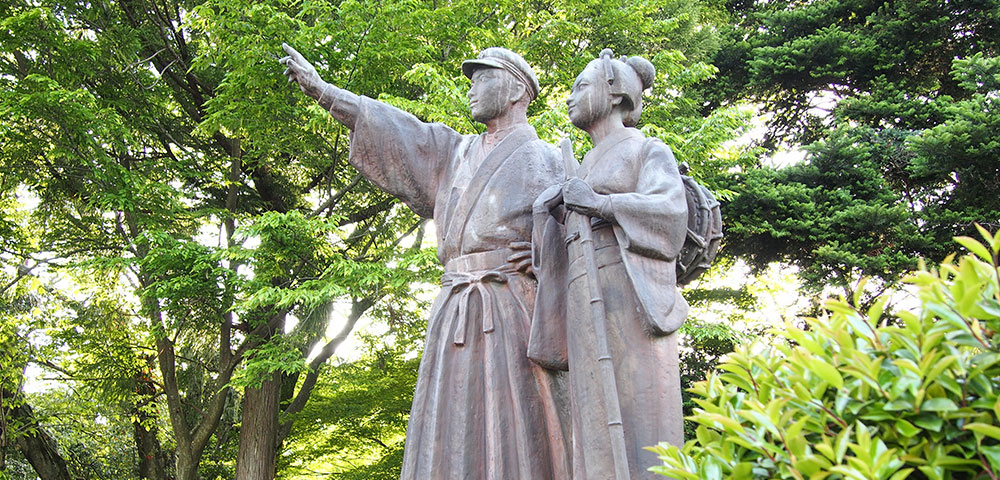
482 409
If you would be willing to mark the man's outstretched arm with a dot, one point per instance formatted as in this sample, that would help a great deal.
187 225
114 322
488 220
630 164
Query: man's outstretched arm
342 104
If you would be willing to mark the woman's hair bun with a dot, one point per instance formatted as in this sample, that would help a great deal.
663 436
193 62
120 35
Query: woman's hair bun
645 70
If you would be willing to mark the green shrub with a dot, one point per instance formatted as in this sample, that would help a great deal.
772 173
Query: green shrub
859 395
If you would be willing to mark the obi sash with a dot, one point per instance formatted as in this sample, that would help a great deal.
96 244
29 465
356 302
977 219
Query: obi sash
471 273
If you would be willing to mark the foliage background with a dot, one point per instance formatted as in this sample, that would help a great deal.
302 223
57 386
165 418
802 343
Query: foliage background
863 394
181 237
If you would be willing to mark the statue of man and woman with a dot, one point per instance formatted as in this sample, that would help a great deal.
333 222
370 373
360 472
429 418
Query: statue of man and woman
510 383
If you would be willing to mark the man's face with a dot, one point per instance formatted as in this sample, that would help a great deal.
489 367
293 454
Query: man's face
490 93
590 98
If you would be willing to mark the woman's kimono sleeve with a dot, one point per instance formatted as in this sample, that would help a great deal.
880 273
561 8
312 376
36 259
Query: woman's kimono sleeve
653 218
402 155
651 225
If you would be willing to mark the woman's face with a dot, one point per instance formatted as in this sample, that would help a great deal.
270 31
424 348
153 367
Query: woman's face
590 98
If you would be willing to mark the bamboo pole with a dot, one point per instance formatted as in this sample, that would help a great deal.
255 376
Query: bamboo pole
599 316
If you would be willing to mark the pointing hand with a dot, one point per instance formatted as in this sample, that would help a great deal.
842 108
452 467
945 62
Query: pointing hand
300 71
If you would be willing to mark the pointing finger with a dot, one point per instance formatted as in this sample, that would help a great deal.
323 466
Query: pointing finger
293 68
294 54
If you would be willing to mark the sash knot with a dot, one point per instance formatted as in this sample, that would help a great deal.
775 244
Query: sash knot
463 284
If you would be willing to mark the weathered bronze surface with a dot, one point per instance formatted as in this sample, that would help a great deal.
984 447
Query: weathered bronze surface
608 306
482 409
603 239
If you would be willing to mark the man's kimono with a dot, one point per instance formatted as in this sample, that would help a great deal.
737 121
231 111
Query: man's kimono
482 409
635 253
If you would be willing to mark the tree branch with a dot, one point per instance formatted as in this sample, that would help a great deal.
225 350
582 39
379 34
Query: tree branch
367 213
333 200
168 369
358 308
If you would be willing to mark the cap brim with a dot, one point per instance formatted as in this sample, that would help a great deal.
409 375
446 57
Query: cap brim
470 66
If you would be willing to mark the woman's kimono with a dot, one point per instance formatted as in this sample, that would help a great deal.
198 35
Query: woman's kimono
635 254
482 409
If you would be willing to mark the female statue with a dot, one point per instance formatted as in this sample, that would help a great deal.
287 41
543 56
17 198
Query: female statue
630 192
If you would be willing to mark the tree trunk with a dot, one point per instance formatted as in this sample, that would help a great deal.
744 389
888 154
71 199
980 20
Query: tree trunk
259 431
150 454
187 464
151 458
152 462
34 443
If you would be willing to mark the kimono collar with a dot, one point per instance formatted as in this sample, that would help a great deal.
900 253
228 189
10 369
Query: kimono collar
459 215
610 142
492 140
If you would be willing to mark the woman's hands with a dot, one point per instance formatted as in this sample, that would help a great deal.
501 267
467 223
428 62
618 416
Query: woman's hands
579 197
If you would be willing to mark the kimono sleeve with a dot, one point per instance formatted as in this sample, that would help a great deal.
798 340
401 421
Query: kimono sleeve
653 218
407 158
